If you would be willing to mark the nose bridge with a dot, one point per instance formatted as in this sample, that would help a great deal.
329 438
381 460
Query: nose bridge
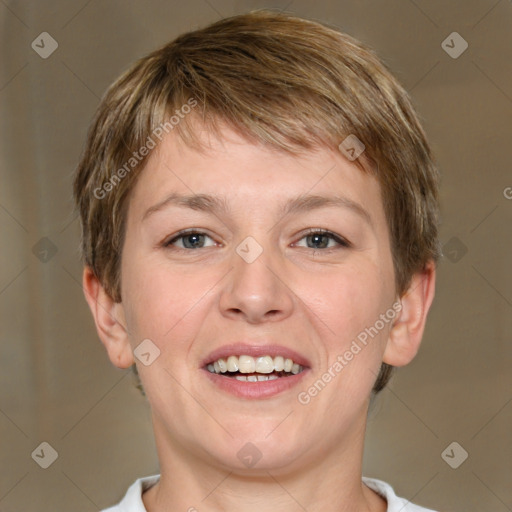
255 289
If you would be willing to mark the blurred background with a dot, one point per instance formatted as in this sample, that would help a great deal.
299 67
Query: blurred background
59 392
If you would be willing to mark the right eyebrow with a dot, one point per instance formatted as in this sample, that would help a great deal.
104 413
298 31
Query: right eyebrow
200 202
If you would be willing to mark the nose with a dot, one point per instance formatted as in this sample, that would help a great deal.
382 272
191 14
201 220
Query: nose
257 291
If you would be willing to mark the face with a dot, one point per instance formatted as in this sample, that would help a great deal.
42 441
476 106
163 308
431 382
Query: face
263 269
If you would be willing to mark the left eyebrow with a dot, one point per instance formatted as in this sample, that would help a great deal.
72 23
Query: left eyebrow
209 203
312 202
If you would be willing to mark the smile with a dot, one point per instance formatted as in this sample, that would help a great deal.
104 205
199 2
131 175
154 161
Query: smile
254 369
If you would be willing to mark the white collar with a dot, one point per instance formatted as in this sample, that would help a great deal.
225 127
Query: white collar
132 501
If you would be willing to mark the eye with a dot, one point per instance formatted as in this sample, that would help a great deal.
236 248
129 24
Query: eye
320 239
190 240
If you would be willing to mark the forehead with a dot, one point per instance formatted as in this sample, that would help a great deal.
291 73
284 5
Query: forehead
232 173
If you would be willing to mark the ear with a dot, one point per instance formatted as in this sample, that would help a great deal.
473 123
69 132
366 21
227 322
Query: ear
407 331
110 320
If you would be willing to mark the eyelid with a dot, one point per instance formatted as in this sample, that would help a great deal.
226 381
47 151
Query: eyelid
321 231
180 234
341 241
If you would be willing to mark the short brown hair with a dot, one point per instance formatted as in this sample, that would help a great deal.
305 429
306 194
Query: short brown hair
288 82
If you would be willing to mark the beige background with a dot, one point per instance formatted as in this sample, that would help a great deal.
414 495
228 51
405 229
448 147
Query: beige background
57 385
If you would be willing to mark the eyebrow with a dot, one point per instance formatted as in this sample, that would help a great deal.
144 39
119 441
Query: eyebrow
218 204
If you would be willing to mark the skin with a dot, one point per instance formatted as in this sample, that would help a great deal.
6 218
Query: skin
312 299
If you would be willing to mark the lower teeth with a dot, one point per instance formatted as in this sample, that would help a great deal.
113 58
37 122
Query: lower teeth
255 378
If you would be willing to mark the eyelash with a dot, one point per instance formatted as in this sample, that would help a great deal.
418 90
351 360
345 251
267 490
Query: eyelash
343 243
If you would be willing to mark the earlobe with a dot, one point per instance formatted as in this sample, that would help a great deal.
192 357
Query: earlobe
405 335
109 319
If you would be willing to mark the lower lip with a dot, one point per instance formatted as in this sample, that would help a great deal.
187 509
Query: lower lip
254 390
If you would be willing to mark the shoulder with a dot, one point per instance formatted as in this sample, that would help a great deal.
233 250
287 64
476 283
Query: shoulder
395 503
132 500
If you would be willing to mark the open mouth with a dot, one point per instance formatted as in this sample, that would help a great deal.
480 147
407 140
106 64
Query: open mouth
254 369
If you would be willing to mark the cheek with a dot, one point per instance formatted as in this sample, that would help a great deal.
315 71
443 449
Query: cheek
347 301
162 301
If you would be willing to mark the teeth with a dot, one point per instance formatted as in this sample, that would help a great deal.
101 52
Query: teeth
247 364
260 377
222 365
232 364
278 364
264 364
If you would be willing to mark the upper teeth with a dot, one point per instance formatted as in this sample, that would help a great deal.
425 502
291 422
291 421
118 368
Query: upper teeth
248 364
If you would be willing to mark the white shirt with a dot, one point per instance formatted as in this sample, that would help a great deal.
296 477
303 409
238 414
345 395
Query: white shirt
132 501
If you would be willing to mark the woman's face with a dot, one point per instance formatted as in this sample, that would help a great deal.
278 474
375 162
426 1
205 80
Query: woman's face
254 277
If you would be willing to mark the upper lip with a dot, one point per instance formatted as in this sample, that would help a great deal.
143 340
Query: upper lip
255 350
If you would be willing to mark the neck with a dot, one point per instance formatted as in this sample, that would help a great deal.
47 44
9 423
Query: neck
330 480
